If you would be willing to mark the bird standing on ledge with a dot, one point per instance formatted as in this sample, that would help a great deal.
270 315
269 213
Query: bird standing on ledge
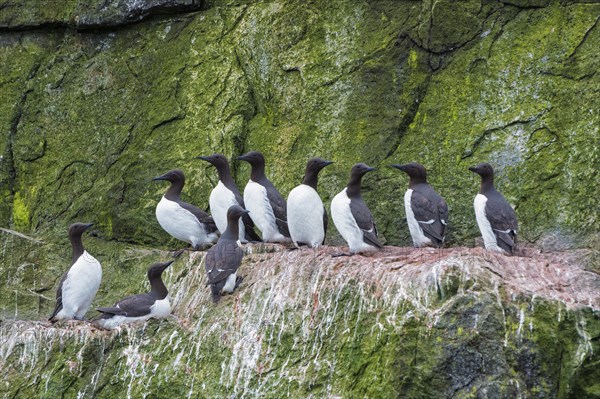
352 217
78 286
226 194
223 260
306 215
496 219
426 210
182 220
266 205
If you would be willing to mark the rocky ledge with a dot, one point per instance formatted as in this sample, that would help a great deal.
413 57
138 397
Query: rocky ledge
411 323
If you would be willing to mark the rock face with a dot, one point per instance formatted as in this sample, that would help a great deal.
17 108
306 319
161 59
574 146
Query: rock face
94 106
404 323
98 97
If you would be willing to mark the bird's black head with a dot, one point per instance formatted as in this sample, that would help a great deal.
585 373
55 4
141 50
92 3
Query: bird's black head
157 269
235 212
77 229
217 160
316 164
253 158
413 169
172 176
484 170
360 169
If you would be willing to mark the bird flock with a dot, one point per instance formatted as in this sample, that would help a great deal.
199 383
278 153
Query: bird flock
301 220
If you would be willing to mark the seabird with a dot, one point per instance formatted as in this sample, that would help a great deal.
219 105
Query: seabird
223 260
78 286
267 207
496 219
225 195
352 217
182 220
426 210
139 307
306 215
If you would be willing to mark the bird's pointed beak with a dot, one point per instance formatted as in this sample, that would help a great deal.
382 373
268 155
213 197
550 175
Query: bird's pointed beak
370 169
327 163
397 166
88 225
241 158
167 264
204 158
473 169
161 177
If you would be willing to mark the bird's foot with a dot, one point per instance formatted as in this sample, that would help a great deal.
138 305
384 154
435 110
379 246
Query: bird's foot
337 255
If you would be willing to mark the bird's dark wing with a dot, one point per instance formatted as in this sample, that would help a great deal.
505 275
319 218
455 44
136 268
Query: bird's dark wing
222 260
250 233
279 208
132 306
203 217
431 211
325 223
364 219
59 304
503 220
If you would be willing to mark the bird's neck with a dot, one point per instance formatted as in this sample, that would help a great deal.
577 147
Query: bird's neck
225 175
257 173
311 179
77 245
158 288
353 187
232 232
413 181
487 184
174 191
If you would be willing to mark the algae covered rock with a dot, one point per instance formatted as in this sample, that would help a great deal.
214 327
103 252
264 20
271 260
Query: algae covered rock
90 115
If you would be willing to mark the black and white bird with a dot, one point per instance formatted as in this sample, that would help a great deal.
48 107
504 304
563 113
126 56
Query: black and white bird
306 215
139 307
78 286
224 259
352 217
496 219
182 220
426 210
267 207
225 195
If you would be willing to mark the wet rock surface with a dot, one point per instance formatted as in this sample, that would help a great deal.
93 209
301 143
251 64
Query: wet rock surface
405 322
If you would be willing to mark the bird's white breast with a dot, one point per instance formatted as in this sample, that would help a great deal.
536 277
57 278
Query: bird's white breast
161 308
179 222
346 224
220 200
489 238
416 232
261 212
80 286
305 216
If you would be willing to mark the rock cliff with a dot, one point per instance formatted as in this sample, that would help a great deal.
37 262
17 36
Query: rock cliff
97 98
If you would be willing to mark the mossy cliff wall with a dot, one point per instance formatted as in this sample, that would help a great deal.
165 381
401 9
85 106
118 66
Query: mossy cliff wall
93 106
97 97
